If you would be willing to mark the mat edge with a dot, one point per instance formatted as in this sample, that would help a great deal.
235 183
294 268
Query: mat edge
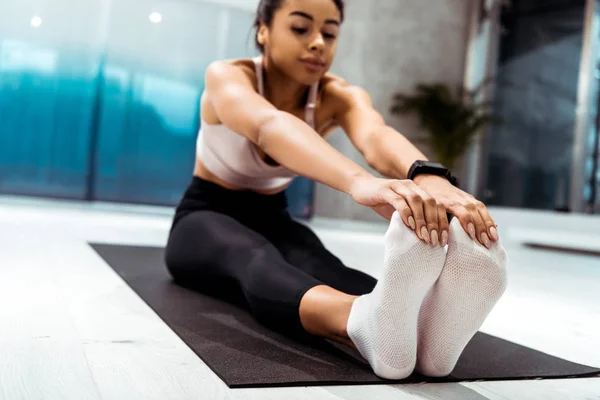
410 382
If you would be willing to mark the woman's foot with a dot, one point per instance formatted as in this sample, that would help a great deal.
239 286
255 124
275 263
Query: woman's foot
383 324
472 281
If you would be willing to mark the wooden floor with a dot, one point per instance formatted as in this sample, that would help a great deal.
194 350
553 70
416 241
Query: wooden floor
70 328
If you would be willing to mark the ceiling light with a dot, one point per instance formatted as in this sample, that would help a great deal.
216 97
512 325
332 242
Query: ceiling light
155 17
36 22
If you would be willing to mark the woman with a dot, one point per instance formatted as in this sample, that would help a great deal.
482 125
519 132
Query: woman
263 123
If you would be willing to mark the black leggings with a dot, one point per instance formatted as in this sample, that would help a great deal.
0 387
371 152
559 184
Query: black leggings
243 246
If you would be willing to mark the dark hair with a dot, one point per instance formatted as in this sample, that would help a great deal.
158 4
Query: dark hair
266 11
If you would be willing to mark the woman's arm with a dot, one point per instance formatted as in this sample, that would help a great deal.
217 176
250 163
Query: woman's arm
295 145
284 137
385 149
391 154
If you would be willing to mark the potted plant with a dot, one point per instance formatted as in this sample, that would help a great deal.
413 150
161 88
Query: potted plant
452 118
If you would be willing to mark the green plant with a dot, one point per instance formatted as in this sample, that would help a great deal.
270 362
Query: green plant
452 118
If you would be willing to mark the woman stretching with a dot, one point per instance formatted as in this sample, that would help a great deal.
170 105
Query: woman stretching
264 122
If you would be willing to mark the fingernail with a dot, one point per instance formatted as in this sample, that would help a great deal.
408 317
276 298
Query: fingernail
425 234
411 222
486 240
434 238
472 231
444 238
494 233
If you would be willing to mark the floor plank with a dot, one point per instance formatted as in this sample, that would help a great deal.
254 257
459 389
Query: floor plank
131 353
550 389
41 356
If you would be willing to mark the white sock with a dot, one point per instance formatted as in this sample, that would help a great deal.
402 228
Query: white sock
472 281
383 323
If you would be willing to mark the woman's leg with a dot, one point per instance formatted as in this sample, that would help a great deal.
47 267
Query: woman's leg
214 251
324 308
382 320
324 311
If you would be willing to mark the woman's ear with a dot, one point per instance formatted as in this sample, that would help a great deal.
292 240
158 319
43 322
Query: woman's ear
263 34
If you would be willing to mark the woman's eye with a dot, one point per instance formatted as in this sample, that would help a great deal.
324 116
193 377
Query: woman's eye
300 30
329 36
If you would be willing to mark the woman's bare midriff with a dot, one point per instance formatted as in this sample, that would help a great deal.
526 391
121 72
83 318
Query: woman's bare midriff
202 172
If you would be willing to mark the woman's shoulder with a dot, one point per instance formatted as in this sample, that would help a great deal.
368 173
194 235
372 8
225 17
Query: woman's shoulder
245 64
223 68
219 72
338 90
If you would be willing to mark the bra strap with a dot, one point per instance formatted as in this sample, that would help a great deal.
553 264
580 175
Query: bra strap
259 75
311 105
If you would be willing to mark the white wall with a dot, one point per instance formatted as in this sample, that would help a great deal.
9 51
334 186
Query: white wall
388 46
243 4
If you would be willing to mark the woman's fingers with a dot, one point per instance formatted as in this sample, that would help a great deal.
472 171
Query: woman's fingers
490 225
415 203
480 230
482 222
464 217
472 221
400 205
444 224
413 210
431 208
423 208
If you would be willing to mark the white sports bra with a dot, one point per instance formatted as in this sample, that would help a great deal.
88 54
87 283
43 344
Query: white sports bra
234 159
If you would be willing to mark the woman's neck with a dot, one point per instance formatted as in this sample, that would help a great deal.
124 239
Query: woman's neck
284 93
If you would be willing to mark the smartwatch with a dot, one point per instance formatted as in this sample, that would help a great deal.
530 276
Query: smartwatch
421 167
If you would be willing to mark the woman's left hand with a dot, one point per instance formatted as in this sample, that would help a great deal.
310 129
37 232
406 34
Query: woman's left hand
472 213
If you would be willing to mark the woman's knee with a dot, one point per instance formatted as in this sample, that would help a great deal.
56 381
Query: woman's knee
172 249
174 263
181 257
203 246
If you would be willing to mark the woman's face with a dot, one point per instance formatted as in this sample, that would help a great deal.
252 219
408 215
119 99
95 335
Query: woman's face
302 38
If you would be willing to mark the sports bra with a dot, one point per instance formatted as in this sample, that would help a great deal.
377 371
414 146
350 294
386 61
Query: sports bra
233 158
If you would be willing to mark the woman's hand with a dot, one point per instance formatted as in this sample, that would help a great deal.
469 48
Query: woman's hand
472 213
419 210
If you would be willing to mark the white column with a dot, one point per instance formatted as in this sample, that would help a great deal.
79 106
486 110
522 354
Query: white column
482 60
586 99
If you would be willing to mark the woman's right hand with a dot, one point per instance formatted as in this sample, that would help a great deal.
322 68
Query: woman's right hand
418 210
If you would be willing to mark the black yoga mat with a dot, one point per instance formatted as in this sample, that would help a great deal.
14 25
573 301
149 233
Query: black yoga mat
245 354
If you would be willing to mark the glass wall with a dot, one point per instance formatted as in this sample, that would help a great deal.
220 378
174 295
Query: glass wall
530 151
591 179
153 71
49 68
100 100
